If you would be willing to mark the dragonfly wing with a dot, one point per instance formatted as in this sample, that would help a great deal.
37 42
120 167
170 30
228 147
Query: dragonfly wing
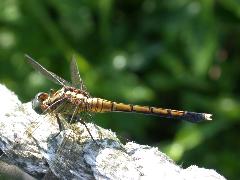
72 133
77 81
48 74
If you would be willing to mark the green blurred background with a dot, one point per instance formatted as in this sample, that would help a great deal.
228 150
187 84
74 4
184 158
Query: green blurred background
178 54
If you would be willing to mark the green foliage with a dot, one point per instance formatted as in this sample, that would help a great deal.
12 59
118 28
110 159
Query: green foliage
174 54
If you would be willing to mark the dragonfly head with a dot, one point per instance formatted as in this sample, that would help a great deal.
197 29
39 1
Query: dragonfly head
37 102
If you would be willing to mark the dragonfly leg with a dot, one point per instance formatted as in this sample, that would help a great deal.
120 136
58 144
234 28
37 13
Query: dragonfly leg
82 122
1 153
60 126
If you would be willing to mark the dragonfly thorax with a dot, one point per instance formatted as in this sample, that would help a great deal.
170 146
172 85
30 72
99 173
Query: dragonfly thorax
67 97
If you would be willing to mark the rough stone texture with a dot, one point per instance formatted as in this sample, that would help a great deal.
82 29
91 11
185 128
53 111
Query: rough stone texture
32 142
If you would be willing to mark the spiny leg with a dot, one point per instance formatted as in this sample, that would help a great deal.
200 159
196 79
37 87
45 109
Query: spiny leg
82 122
87 116
39 123
65 139
84 116
81 117
60 126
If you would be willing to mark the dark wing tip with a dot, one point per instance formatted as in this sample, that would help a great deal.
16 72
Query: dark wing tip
197 117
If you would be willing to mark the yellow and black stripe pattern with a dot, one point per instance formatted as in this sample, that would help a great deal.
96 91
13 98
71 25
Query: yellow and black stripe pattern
102 105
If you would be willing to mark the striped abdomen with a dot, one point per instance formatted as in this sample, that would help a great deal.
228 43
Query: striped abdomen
101 105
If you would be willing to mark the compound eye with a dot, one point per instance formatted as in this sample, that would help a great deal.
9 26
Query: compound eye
37 102
42 96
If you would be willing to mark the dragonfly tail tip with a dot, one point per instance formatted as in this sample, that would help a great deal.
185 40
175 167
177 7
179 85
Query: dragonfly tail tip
197 117
208 117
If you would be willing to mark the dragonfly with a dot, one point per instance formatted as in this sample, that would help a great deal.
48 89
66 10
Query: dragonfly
74 102
73 99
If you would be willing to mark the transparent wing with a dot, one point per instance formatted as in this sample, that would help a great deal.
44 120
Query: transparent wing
71 136
48 74
77 81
